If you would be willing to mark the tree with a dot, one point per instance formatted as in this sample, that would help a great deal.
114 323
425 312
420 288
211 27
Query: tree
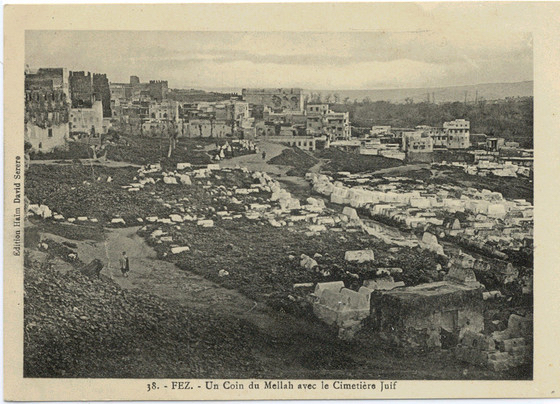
172 134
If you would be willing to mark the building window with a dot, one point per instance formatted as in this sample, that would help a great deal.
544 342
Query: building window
50 132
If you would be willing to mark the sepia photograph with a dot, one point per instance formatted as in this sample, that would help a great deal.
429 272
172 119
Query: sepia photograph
245 200
234 209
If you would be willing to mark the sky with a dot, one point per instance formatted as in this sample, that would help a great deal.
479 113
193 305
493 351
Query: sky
320 60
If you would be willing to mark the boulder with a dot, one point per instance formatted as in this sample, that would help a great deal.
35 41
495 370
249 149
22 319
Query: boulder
359 256
176 218
93 268
333 286
520 326
461 275
316 202
157 233
182 166
170 180
40 210
350 213
177 250
456 225
184 179
307 262
429 238
205 223
317 227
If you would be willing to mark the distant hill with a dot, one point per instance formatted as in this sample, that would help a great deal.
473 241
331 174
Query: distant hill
491 91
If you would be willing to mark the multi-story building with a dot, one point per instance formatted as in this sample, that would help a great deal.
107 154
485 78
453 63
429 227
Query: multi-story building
438 135
157 89
81 89
137 91
277 99
88 120
120 91
206 128
315 124
322 121
313 108
102 92
230 110
166 110
53 78
458 132
417 142
337 125
160 127
452 135
46 109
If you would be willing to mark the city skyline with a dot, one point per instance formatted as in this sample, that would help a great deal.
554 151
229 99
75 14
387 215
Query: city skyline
313 61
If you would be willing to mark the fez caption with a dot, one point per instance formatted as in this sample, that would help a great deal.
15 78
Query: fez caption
273 385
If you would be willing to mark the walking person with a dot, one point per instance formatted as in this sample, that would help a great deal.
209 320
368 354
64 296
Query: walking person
125 265
264 155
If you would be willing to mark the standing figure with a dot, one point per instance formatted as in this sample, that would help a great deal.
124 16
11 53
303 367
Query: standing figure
125 266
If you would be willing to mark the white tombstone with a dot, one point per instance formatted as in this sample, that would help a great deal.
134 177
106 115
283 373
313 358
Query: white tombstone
359 256
177 250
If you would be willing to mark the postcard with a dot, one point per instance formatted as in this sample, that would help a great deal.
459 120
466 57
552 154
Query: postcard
281 201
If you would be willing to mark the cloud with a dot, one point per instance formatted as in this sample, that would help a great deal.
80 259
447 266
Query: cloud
351 60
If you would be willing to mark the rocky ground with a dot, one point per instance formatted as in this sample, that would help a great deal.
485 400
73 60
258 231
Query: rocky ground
299 160
176 316
84 327
338 160
162 321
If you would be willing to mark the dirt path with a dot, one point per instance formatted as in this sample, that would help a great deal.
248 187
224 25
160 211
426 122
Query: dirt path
165 280
286 346
255 162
